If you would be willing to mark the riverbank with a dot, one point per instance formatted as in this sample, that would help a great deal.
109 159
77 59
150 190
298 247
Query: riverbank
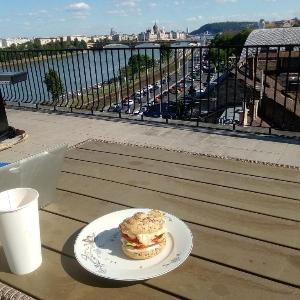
103 97
25 60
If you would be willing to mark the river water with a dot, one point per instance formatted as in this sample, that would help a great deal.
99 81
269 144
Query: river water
79 71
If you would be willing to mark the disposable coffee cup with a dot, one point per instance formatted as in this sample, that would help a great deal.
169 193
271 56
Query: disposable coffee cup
20 229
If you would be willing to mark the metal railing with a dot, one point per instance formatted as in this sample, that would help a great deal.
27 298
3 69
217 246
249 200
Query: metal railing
228 85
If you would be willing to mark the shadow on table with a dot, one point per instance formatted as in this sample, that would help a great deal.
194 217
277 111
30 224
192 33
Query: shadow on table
3 262
78 273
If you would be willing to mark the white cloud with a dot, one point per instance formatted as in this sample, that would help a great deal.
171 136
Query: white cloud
179 2
79 6
153 4
79 10
126 3
118 12
125 8
194 19
226 1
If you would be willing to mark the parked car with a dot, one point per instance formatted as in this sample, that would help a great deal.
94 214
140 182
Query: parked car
140 110
138 96
128 102
144 109
182 85
136 111
117 109
140 92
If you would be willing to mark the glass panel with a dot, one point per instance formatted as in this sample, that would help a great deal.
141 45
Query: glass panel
39 172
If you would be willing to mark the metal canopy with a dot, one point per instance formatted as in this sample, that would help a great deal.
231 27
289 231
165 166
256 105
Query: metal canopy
8 78
12 77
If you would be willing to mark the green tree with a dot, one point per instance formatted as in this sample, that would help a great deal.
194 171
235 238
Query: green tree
166 52
297 24
82 44
235 39
138 63
54 84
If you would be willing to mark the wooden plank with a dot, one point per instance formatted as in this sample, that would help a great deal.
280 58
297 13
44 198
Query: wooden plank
194 278
240 252
257 226
232 197
197 160
61 277
239 181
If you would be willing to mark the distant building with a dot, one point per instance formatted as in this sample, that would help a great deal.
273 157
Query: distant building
206 37
132 37
112 32
281 68
280 24
3 43
262 24
159 34
63 38
179 35
45 41
96 38
16 41
150 36
72 38
142 37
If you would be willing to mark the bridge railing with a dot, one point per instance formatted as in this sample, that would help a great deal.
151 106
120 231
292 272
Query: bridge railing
229 85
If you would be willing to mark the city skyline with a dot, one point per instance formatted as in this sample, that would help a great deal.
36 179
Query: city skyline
52 18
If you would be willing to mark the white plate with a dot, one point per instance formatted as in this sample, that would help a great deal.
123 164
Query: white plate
98 249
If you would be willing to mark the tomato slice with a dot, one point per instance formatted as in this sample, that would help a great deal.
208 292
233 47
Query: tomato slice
129 239
140 246
157 238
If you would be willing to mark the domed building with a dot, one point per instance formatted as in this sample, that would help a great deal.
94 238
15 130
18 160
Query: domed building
155 28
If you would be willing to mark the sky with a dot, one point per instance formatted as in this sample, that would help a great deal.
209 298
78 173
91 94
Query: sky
43 18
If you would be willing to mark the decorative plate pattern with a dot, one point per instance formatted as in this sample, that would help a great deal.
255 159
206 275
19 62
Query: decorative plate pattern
98 249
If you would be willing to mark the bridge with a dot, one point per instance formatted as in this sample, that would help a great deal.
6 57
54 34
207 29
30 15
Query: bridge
134 44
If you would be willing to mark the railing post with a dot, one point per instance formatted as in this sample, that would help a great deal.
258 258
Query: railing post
245 117
255 109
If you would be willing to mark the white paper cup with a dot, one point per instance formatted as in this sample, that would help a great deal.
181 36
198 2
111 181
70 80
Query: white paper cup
20 229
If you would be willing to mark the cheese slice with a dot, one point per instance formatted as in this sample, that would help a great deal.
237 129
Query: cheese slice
146 239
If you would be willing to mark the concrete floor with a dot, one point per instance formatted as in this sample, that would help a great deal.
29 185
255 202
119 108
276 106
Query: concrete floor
48 129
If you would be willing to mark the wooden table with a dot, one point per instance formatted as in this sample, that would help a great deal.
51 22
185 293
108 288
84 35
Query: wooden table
244 218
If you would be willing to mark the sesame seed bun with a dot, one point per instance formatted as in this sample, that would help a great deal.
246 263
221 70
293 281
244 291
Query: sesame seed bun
144 253
142 223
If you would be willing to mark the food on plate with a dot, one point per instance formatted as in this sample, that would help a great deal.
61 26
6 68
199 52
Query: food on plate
143 235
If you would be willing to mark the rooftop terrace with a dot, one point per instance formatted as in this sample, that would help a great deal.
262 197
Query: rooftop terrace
244 216
165 146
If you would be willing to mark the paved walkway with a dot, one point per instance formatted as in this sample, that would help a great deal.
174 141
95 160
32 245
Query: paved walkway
48 129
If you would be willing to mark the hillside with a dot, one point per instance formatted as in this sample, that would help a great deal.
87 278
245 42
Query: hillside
224 26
